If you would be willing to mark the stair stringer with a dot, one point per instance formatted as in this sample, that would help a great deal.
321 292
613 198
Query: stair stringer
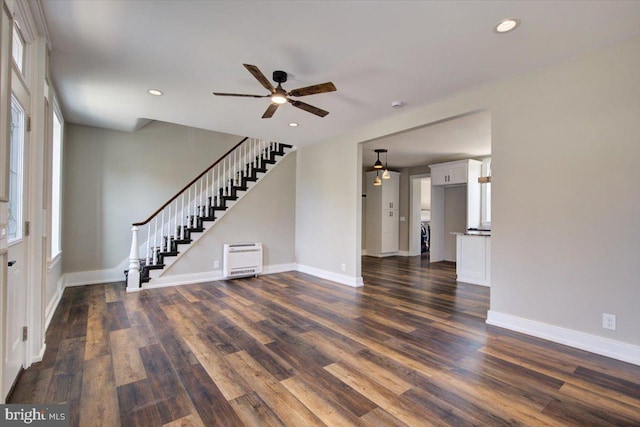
163 277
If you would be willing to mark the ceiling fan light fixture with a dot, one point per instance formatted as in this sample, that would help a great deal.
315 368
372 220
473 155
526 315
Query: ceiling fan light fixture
278 98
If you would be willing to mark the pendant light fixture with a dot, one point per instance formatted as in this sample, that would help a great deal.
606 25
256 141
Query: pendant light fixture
378 166
378 163
377 181
385 174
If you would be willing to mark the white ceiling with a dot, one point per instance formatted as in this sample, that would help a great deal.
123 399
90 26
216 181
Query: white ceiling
106 54
459 138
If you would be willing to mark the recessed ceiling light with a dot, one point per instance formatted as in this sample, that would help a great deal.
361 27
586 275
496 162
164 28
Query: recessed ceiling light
397 104
507 25
293 125
155 92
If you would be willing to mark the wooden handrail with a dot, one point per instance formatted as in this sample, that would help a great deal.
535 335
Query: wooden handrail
146 221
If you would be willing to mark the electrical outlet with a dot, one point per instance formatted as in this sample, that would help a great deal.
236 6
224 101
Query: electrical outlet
216 264
609 321
344 267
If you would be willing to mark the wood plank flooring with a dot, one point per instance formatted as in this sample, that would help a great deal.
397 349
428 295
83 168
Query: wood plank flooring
411 348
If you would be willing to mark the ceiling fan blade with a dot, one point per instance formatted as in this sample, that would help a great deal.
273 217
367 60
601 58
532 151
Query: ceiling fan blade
310 108
260 77
270 110
312 90
240 94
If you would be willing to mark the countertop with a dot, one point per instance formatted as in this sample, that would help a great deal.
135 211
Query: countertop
482 233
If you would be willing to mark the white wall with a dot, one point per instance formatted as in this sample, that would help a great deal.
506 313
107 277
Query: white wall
113 178
455 218
265 214
566 199
328 207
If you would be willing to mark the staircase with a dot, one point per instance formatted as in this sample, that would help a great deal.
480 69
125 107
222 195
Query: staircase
193 210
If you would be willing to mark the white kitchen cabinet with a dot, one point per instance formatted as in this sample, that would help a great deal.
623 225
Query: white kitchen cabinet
473 259
445 179
450 173
382 215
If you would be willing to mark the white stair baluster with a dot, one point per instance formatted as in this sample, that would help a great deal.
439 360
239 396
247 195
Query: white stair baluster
155 242
148 258
206 198
182 219
189 209
195 204
169 230
175 223
166 235
201 210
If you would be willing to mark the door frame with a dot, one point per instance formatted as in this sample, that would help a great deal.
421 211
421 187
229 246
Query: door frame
415 197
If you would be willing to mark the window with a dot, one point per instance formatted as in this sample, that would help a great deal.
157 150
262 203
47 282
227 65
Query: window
17 50
486 195
56 181
16 163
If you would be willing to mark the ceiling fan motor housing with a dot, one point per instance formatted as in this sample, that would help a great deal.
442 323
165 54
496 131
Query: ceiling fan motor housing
279 76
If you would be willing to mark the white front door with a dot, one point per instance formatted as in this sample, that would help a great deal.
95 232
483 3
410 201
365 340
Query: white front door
17 240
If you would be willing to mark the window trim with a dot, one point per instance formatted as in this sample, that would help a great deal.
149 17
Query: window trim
56 115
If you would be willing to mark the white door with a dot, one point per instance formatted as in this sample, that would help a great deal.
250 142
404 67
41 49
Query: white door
17 242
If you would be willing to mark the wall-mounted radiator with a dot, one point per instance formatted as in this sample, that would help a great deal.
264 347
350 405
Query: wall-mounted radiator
242 260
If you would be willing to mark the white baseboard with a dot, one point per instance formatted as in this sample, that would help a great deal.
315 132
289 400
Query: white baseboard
279 268
53 304
117 275
94 277
207 276
473 280
39 356
592 343
354 282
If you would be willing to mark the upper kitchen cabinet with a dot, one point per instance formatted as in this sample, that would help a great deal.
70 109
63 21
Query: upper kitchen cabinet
452 173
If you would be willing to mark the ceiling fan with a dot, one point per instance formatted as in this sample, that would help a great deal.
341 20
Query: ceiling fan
280 96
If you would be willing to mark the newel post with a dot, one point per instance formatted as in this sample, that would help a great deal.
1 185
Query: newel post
133 278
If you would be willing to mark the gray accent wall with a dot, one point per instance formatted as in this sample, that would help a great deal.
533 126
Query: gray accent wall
114 178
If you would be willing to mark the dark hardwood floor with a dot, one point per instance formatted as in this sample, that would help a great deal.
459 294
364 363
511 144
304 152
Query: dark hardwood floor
411 348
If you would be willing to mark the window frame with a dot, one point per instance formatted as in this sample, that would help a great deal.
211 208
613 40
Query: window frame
18 40
19 225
